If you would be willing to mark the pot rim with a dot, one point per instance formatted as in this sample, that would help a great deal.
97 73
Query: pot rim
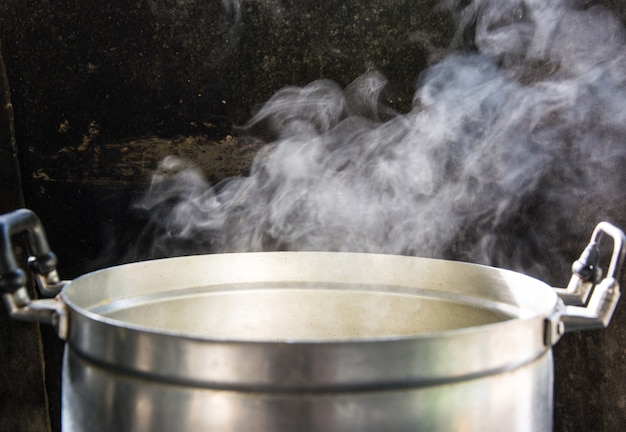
338 364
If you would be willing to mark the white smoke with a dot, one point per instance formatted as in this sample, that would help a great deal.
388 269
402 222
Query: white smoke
507 139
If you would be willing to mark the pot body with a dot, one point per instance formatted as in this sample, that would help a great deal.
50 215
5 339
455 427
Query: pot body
307 342
99 399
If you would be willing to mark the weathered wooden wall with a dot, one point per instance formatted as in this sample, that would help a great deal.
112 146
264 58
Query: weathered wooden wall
23 395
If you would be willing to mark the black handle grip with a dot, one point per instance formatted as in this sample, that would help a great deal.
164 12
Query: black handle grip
12 277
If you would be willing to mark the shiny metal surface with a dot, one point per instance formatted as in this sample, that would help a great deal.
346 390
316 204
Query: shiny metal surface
266 320
307 341
102 400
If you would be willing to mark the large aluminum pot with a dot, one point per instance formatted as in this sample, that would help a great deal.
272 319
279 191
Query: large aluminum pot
308 341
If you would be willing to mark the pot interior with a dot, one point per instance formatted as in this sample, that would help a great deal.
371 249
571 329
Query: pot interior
305 296
297 312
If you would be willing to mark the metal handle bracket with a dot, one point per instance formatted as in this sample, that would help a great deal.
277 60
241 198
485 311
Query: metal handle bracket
45 311
590 301
42 263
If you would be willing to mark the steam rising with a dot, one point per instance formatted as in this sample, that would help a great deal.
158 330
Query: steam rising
508 137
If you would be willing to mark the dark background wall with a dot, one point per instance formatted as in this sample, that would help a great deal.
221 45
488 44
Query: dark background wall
102 91
24 407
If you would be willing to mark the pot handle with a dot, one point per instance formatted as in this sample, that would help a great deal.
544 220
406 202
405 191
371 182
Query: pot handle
590 300
42 262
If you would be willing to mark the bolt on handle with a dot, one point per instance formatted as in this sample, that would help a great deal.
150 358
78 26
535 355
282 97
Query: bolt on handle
42 261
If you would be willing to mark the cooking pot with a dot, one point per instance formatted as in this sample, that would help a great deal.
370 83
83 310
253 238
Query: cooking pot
307 341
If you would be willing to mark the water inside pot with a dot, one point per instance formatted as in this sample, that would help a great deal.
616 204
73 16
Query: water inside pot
295 312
